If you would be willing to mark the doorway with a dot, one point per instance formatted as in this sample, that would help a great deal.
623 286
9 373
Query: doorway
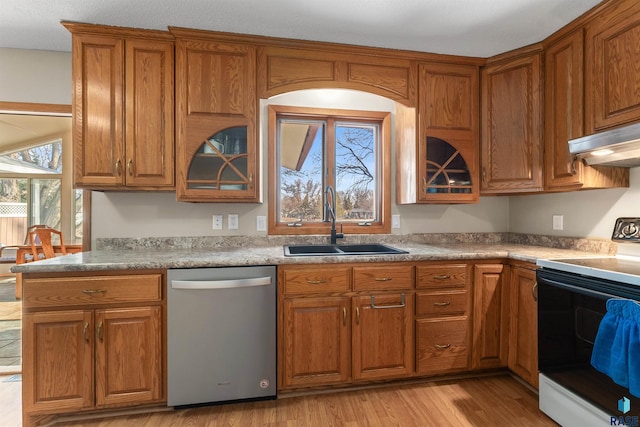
35 188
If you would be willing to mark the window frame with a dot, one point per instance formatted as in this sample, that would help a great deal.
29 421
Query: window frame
383 226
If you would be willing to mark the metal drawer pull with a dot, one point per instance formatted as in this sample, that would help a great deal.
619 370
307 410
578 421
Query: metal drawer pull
441 304
84 331
316 282
442 277
344 315
129 169
99 331
442 347
383 279
358 315
94 291
401 305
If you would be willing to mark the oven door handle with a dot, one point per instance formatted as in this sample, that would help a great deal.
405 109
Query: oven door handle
574 288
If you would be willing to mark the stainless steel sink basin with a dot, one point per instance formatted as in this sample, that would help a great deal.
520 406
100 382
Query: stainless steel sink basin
333 250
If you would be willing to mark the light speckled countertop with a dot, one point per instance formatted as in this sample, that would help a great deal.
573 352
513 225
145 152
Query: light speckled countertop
128 259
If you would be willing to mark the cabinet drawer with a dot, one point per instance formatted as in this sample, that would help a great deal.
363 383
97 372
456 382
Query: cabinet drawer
442 345
383 277
442 303
65 291
442 276
330 278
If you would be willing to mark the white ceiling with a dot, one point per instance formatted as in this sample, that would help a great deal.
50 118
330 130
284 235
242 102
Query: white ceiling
464 27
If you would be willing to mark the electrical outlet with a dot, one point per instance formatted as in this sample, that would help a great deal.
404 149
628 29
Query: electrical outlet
217 222
232 220
558 222
261 223
395 221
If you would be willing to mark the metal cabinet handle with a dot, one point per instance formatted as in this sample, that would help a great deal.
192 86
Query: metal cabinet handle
316 282
401 305
250 181
534 291
441 304
84 331
94 291
442 277
442 347
574 170
383 279
344 316
130 167
358 315
118 166
484 174
99 331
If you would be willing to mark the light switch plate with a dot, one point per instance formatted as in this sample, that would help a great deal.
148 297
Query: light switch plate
261 223
232 220
395 221
558 222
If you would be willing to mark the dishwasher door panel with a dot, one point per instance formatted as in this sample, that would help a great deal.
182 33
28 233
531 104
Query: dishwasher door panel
221 330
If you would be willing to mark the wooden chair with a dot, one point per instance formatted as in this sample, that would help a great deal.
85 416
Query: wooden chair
9 254
41 243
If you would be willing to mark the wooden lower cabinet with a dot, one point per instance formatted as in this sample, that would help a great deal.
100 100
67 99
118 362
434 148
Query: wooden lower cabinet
330 335
523 343
84 352
316 341
382 336
490 316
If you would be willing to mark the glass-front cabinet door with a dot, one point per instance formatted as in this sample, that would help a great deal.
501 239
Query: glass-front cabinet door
220 164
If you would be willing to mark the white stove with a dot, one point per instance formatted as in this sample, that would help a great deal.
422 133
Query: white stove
572 297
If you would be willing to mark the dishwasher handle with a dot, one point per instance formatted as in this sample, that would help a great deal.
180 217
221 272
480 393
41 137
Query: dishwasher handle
220 284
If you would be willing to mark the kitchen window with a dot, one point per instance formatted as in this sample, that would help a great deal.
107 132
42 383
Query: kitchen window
310 149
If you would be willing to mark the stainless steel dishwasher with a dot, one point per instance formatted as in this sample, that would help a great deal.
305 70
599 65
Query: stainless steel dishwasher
221 334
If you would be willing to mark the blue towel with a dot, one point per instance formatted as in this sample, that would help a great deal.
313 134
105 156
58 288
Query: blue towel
616 351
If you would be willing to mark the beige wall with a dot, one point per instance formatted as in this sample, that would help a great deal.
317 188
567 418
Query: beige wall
45 77
36 76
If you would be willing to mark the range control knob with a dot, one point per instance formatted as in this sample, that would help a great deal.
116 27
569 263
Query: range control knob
629 230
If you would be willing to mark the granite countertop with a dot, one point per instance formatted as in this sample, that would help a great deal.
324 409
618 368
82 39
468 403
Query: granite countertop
151 258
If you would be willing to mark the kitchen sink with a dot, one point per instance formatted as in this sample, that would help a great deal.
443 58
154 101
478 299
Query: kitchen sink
333 250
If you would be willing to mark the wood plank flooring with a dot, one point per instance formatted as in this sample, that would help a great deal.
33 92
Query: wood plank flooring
486 401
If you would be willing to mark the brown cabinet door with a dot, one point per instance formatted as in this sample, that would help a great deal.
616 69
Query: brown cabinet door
564 110
490 316
57 361
511 126
523 344
448 133
128 356
612 54
383 340
98 111
216 100
315 344
149 159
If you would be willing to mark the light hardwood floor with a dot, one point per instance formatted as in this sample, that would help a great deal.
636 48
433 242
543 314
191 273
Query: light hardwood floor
486 401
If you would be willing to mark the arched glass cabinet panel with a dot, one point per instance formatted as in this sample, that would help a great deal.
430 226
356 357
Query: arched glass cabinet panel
220 163
446 170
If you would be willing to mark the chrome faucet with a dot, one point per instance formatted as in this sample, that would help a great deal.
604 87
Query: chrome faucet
330 211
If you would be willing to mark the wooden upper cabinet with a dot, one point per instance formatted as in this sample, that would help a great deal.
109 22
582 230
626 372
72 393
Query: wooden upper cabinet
441 165
511 151
612 80
123 126
564 111
216 119
283 70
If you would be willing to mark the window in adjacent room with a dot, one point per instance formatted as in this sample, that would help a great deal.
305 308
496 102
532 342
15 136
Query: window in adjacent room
311 149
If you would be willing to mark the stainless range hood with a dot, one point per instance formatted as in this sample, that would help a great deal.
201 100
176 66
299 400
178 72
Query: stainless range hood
616 147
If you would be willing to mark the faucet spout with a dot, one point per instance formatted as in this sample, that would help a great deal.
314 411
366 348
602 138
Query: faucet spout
330 213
